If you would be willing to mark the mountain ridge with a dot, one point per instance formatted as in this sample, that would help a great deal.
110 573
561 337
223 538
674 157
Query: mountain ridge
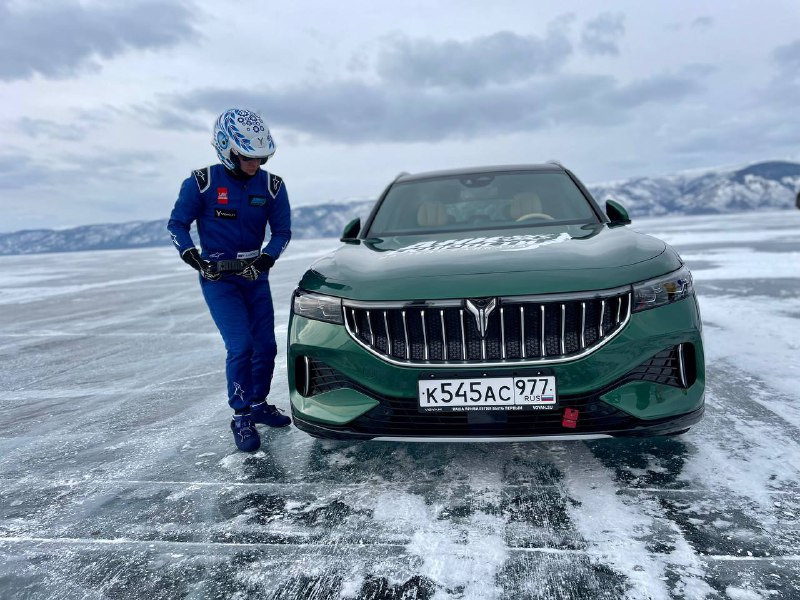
765 185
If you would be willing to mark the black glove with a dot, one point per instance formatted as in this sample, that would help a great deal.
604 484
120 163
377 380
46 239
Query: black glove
192 258
263 263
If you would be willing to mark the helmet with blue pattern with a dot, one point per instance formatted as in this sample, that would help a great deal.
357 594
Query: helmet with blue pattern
245 133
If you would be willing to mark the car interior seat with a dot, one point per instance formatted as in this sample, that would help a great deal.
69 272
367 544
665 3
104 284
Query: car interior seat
524 203
431 214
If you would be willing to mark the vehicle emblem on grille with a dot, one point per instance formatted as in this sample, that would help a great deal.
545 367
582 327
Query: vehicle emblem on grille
481 308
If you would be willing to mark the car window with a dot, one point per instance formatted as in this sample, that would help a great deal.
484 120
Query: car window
482 201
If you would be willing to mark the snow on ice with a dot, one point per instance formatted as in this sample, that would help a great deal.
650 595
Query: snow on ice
119 479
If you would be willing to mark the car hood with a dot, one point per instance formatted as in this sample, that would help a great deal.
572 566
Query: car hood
538 261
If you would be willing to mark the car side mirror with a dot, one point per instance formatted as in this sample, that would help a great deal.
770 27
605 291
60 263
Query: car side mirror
617 213
351 231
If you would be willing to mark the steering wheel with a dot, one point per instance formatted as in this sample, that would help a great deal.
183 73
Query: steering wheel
535 216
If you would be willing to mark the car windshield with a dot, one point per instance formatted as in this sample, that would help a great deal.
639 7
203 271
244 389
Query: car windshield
481 201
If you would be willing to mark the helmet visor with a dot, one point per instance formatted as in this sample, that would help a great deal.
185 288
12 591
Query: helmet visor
243 157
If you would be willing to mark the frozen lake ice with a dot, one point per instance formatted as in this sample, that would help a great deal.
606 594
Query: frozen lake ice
120 478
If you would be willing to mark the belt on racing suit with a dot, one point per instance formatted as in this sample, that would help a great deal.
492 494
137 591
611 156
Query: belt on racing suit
234 265
238 264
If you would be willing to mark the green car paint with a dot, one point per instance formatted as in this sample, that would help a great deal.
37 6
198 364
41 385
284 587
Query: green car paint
336 407
625 372
571 259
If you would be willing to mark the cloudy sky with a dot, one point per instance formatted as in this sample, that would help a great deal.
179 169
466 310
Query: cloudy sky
107 106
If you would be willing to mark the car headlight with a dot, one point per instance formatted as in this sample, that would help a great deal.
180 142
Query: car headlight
662 290
318 306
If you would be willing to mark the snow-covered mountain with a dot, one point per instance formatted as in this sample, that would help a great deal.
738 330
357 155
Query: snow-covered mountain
765 185
317 221
760 186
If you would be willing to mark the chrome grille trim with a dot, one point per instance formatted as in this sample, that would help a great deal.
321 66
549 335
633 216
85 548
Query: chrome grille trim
583 323
682 366
457 303
368 304
567 297
502 333
369 327
405 332
388 332
542 347
566 327
602 316
424 335
307 379
444 334
463 336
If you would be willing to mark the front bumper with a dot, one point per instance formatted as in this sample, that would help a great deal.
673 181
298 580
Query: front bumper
500 432
622 389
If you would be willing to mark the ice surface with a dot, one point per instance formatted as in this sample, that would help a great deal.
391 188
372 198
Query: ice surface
118 477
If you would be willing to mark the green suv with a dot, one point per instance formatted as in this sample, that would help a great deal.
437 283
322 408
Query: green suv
496 303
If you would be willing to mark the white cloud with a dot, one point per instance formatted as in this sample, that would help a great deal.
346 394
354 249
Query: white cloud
63 39
602 34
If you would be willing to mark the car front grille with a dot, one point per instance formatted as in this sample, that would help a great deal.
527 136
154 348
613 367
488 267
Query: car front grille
534 329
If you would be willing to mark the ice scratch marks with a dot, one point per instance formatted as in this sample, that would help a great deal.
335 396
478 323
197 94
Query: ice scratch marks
744 579
463 556
757 338
748 446
25 295
121 569
615 530
715 528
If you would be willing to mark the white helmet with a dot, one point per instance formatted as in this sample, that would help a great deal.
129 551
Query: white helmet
245 132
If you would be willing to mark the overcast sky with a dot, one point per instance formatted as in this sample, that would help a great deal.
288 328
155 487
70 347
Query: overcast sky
107 106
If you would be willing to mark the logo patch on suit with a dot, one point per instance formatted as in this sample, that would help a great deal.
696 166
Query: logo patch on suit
222 195
224 213
203 178
258 200
274 185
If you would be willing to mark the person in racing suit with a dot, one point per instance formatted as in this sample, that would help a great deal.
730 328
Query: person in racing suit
232 204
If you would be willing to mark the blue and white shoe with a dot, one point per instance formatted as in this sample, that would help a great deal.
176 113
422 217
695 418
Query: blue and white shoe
268 414
244 433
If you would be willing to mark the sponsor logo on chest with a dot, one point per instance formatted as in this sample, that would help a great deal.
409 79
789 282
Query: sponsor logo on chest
258 200
222 195
224 213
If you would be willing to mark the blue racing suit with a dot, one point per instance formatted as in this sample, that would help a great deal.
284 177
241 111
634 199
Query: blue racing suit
232 214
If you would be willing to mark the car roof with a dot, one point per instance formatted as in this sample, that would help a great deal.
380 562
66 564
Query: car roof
404 177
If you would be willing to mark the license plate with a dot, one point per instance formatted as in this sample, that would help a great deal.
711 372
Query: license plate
495 393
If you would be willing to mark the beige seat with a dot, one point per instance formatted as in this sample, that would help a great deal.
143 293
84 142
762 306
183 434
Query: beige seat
431 214
524 203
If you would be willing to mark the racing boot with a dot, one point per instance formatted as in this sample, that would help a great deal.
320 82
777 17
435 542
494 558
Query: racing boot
268 414
244 433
